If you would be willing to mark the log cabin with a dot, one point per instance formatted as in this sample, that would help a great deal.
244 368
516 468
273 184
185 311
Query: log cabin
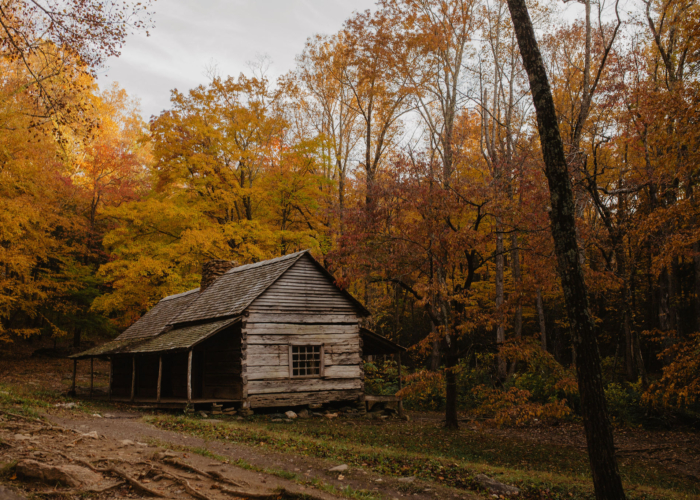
275 333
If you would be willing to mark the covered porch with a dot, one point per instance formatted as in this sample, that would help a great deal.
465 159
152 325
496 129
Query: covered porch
195 364
374 344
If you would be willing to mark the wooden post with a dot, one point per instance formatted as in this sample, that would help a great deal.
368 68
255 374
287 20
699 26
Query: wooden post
160 376
75 369
110 379
92 373
133 377
189 377
400 387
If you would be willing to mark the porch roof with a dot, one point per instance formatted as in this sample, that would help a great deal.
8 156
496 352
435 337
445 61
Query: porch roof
174 340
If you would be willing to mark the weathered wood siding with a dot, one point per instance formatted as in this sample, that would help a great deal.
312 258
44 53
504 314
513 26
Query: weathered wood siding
301 306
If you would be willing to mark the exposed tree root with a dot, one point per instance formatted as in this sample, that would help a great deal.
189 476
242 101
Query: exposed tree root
133 482
211 474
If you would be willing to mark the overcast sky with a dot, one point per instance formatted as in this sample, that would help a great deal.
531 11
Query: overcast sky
191 35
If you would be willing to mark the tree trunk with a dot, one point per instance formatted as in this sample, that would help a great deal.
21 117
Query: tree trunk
451 421
696 261
500 330
543 324
515 257
599 437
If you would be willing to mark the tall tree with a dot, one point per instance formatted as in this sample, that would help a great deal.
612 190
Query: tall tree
599 436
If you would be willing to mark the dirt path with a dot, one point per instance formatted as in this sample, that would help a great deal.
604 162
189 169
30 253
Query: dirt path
125 425
108 459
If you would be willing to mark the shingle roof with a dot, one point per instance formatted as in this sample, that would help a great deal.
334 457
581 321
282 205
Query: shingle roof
112 347
231 293
154 321
180 339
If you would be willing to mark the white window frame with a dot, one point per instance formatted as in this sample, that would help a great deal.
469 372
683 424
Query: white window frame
322 364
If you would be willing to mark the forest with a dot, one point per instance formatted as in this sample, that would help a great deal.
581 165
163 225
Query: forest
405 151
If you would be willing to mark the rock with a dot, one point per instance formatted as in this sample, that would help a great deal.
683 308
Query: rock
97 415
66 405
331 415
496 486
68 475
408 479
91 435
315 406
8 494
245 412
108 415
202 414
340 477
23 437
126 442
303 414
290 414
339 468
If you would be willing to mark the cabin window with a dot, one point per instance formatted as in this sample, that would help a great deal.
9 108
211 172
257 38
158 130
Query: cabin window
306 360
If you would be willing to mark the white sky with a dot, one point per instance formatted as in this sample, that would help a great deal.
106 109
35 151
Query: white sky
191 35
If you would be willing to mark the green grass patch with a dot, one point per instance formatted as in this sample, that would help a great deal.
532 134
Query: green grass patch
443 457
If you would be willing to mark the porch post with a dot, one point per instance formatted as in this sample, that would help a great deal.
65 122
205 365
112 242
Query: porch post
160 376
189 377
110 378
92 373
400 387
133 377
75 369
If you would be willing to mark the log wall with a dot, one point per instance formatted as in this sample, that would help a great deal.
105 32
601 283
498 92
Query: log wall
302 306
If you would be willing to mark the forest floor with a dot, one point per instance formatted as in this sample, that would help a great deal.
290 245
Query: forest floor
125 452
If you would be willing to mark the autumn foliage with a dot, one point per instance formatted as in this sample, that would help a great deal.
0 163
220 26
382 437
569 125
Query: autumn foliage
403 151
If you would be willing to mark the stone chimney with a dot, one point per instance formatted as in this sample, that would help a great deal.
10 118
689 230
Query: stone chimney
212 270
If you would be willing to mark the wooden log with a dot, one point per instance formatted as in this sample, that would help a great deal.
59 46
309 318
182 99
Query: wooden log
327 339
342 371
133 377
302 385
92 374
297 329
268 372
266 360
160 377
302 398
189 376
301 317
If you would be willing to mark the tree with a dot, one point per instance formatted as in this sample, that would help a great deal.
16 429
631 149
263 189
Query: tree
53 38
601 449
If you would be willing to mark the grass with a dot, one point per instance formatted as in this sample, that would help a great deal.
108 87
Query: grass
442 457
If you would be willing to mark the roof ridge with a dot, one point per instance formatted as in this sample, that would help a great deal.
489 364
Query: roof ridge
181 294
245 267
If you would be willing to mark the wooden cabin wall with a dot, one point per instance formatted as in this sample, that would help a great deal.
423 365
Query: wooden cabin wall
146 376
174 376
302 306
220 365
121 376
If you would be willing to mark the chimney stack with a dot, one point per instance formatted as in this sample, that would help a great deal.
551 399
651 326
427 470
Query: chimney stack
212 270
